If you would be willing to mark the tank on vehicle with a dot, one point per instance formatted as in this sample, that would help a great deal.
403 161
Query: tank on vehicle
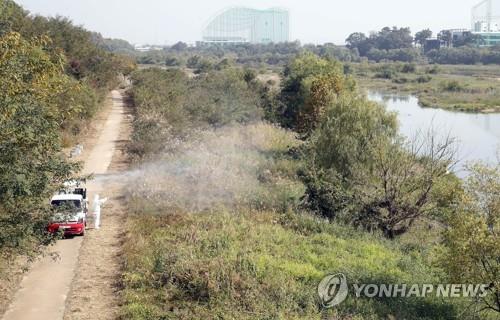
68 207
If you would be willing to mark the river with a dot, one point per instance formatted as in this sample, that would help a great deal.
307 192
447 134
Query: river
478 135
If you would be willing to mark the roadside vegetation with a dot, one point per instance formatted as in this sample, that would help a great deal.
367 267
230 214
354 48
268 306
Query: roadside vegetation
242 198
52 80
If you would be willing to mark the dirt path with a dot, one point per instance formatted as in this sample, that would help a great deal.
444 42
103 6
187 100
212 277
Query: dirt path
44 289
94 292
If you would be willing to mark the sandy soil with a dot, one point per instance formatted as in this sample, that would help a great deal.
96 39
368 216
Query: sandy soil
44 289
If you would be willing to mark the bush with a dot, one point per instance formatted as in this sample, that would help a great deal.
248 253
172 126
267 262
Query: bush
433 70
402 55
172 62
408 68
400 80
453 86
310 84
193 62
339 147
386 71
424 79
470 252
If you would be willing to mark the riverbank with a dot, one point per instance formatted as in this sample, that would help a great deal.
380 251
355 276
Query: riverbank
462 88
477 135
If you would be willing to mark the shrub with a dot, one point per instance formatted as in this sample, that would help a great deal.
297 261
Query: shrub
343 142
193 62
470 252
310 84
424 79
433 70
452 85
408 68
165 111
172 62
385 74
400 80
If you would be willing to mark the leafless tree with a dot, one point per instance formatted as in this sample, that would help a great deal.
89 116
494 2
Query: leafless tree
396 190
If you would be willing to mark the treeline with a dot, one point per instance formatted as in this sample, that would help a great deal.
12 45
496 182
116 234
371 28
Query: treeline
276 56
388 44
52 78
250 55
464 55
398 44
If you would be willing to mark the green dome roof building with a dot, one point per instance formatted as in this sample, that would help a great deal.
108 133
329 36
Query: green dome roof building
245 25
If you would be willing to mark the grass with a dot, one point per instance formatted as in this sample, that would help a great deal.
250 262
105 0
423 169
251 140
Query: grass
256 256
460 88
239 264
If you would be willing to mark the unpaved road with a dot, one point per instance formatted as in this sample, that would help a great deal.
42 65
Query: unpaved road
44 289
95 292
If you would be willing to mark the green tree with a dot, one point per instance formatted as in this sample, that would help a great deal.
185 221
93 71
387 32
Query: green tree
179 46
309 86
12 16
31 80
360 42
392 38
345 141
387 39
172 62
193 62
471 250
421 36
446 37
468 39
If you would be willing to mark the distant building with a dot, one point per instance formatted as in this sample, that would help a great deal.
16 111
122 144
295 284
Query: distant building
147 48
458 35
245 25
483 26
449 38
489 39
486 22
432 44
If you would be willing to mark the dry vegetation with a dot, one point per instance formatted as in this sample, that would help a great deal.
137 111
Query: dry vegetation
217 226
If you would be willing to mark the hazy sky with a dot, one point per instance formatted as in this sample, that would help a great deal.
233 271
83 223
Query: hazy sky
312 21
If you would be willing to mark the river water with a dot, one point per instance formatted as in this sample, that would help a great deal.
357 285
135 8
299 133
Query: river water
478 135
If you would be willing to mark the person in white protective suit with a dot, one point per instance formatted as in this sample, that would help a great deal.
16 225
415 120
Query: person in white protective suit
96 207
